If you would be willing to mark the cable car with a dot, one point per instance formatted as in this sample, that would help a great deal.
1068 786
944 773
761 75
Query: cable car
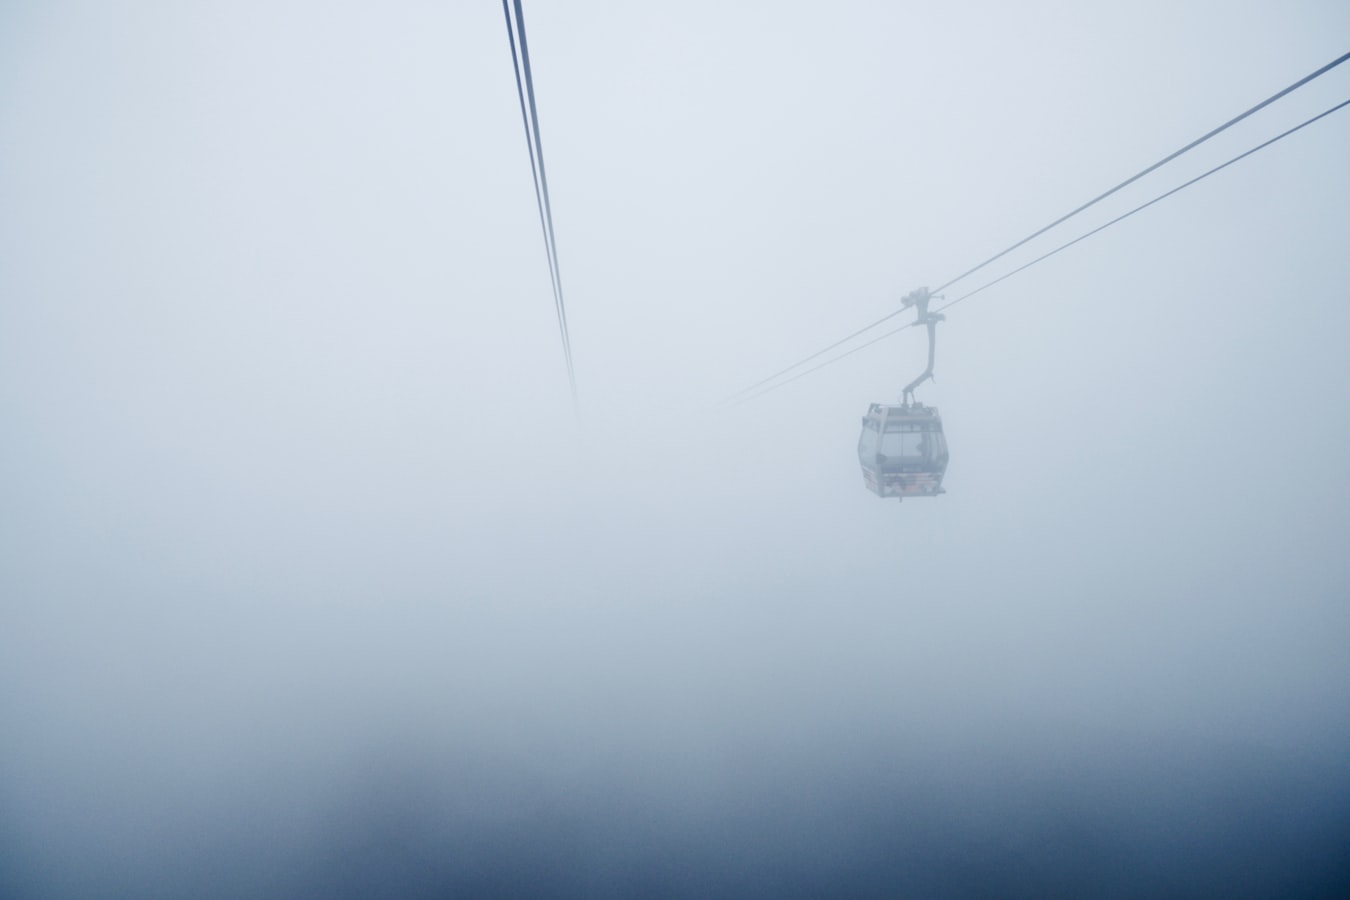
903 450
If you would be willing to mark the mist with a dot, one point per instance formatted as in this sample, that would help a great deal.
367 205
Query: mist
313 584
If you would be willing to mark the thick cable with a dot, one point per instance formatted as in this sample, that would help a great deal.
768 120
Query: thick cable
1144 206
534 144
733 398
1045 256
529 145
1162 162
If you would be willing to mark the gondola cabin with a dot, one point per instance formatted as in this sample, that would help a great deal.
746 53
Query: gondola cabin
903 451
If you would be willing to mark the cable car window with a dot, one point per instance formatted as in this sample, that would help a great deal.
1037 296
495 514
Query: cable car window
939 444
907 445
867 446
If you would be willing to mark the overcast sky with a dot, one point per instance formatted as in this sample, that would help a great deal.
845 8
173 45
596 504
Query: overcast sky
310 579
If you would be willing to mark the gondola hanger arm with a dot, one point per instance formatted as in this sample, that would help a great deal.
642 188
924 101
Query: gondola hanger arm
920 299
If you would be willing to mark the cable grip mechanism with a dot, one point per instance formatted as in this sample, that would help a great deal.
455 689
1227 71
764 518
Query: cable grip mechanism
919 299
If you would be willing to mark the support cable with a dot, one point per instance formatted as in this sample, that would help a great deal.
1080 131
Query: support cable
1171 156
534 144
1042 257
1162 162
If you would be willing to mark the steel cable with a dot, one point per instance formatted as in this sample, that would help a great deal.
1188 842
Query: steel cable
1045 256
734 398
535 145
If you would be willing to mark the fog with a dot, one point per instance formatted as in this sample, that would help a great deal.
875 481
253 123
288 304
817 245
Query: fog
312 584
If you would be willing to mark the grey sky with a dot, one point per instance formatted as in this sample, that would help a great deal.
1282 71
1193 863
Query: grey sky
291 496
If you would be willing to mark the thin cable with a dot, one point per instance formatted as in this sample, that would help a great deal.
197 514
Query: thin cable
535 145
733 398
736 398
828 362
1045 256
